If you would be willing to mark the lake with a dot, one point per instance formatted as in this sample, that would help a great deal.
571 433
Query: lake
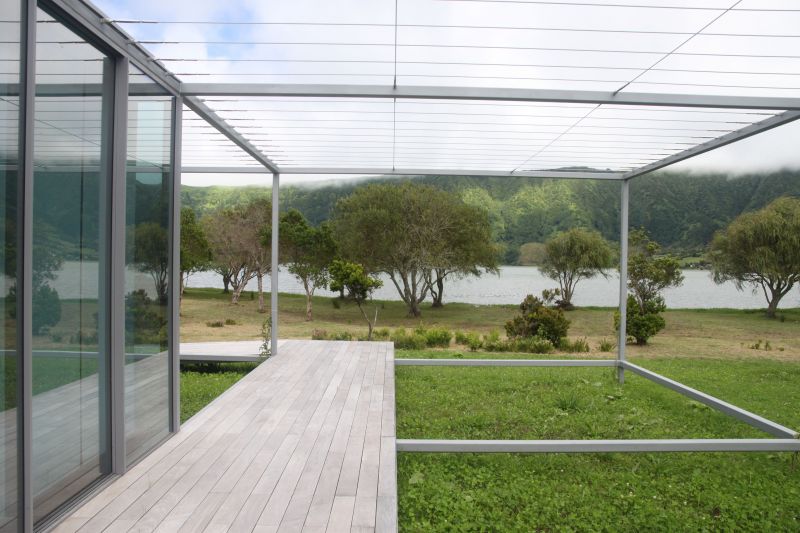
514 282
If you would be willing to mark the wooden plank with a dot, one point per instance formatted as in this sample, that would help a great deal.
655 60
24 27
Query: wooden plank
305 442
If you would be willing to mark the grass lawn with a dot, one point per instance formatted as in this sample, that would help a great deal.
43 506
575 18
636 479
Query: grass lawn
201 383
594 492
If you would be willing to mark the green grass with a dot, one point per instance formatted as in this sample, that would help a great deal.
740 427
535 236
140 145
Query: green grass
594 492
201 383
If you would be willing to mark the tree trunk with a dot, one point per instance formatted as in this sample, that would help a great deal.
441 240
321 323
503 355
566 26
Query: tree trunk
438 293
413 307
309 300
183 285
237 291
226 282
260 277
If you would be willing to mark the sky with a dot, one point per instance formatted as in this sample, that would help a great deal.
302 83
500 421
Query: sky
479 43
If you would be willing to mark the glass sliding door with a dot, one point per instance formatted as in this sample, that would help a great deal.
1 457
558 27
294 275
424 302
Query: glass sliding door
9 155
71 175
147 209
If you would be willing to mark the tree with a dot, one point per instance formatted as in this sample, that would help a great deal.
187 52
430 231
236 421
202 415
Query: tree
148 245
357 285
573 255
466 247
235 236
308 252
407 231
195 249
761 249
648 274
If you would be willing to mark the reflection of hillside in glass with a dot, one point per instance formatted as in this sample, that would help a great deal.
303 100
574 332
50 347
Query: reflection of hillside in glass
70 187
147 209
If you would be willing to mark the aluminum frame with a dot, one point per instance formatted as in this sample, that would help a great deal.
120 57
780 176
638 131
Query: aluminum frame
788 439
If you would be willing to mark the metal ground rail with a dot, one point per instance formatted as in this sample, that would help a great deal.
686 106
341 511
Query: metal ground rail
785 439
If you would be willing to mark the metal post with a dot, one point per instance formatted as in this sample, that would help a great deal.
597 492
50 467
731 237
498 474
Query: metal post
623 278
115 295
24 266
273 284
174 341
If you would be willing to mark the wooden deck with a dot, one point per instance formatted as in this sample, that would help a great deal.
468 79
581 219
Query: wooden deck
305 442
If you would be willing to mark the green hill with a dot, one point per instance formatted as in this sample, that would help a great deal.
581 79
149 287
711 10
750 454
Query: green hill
680 210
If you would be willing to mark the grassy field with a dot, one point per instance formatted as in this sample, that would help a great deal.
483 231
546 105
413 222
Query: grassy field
595 492
705 333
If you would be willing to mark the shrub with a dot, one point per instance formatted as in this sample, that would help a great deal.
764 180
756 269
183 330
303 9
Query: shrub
538 320
341 336
438 337
576 346
461 338
474 342
84 337
215 324
492 343
382 334
336 303
532 345
409 342
643 323
319 334
265 350
230 322
607 345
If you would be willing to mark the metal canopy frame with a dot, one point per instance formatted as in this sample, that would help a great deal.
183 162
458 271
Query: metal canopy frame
197 98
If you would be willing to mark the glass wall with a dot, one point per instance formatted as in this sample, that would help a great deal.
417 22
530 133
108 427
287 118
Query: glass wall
70 377
147 209
9 153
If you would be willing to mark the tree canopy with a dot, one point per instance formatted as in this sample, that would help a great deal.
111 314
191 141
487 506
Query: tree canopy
308 252
761 249
195 248
408 231
573 255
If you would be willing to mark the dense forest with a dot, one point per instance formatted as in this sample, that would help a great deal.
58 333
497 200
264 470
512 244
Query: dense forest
681 211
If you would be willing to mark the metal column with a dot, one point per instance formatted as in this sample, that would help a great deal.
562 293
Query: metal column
24 238
623 278
114 239
273 284
174 310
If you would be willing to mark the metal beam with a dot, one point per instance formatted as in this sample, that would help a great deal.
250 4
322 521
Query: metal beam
495 94
754 420
226 170
205 112
96 22
738 135
505 362
622 335
274 263
598 446
24 267
388 171
174 303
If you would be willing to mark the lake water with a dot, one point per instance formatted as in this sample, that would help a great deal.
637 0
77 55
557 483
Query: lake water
514 282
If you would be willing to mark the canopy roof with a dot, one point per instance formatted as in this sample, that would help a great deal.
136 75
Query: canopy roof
593 88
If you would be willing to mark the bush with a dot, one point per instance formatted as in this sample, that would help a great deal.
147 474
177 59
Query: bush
215 324
336 303
461 338
402 341
382 334
265 350
45 301
230 322
643 324
474 342
319 334
492 343
84 337
438 337
341 336
532 345
538 320
607 345
576 346
145 319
